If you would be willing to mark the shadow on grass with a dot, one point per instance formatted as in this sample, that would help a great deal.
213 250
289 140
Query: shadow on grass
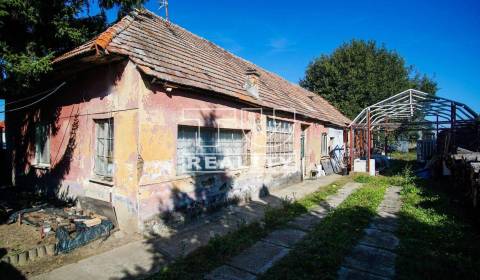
438 238
321 253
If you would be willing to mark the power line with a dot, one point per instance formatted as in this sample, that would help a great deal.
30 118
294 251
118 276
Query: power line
36 101
28 97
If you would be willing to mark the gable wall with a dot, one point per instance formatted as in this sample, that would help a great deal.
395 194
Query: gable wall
109 91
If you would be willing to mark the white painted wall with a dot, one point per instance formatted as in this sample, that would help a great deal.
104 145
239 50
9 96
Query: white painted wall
337 135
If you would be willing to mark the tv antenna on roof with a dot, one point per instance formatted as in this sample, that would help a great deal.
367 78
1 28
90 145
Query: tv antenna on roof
164 4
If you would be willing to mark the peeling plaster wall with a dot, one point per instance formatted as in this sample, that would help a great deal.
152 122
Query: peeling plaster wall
109 91
146 120
314 145
162 190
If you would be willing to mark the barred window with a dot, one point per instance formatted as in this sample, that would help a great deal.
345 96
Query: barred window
210 149
42 144
103 167
279 142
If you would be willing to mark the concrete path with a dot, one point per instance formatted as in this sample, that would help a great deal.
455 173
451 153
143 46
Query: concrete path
262 255
374 256
142 258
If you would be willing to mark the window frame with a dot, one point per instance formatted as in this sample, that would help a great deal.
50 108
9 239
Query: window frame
109 150
40 155
212 148
284 130
324 144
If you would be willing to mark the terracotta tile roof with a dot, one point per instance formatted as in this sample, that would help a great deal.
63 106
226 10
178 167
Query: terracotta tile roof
170 53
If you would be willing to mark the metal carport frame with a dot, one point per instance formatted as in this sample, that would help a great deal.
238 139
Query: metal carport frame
412 108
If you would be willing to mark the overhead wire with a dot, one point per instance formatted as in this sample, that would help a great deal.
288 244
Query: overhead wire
34 102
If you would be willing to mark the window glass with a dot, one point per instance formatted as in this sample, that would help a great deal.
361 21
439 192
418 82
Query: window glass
42 144
103 167
210 149
279 142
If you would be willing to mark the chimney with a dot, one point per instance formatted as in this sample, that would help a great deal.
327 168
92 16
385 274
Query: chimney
252 83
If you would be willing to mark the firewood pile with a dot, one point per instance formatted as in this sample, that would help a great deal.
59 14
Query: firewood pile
465 169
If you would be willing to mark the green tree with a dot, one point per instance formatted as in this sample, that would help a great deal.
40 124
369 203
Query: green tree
360 73
32 32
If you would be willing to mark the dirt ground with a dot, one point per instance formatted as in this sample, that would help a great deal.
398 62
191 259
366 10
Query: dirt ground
16 238
99 246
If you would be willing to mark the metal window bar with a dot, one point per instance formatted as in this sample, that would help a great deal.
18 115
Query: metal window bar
228 146
104 149
279 142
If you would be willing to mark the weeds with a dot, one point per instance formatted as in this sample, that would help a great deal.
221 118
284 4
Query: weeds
221 248
320 254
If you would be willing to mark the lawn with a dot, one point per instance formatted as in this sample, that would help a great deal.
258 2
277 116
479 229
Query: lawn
222 248
437 236
320 254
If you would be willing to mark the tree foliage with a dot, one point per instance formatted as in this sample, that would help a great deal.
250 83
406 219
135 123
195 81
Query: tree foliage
32 32
360 73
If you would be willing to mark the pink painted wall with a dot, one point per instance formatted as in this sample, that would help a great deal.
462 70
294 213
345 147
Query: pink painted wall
146 120
161 189
105 92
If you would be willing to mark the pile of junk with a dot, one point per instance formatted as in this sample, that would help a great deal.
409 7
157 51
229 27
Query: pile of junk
71 226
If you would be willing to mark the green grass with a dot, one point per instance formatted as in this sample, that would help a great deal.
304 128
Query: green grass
320 254
221 248
436 238
410 156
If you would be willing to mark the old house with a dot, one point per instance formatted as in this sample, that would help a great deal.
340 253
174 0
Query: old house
152 118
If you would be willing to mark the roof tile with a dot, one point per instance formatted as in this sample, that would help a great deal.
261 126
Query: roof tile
171 53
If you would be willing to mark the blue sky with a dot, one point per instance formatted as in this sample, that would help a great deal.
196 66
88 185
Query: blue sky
440 38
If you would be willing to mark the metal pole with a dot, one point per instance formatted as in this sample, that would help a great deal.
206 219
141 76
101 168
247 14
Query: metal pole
369 139
453 119
166 10
351 147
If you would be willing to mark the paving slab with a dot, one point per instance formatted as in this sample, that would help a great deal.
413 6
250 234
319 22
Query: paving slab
389 227
259 258
334 200
306 222
226 272
380 239
373 257
112 265
285 237
373 260
144 257
352 274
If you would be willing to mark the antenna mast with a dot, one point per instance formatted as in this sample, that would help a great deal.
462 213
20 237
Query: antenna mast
164 4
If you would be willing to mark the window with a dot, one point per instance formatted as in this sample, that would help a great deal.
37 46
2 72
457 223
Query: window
324 144
42 144
279 142
210 149
103 166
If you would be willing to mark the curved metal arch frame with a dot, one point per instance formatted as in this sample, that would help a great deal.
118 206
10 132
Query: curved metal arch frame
404 105
411 108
